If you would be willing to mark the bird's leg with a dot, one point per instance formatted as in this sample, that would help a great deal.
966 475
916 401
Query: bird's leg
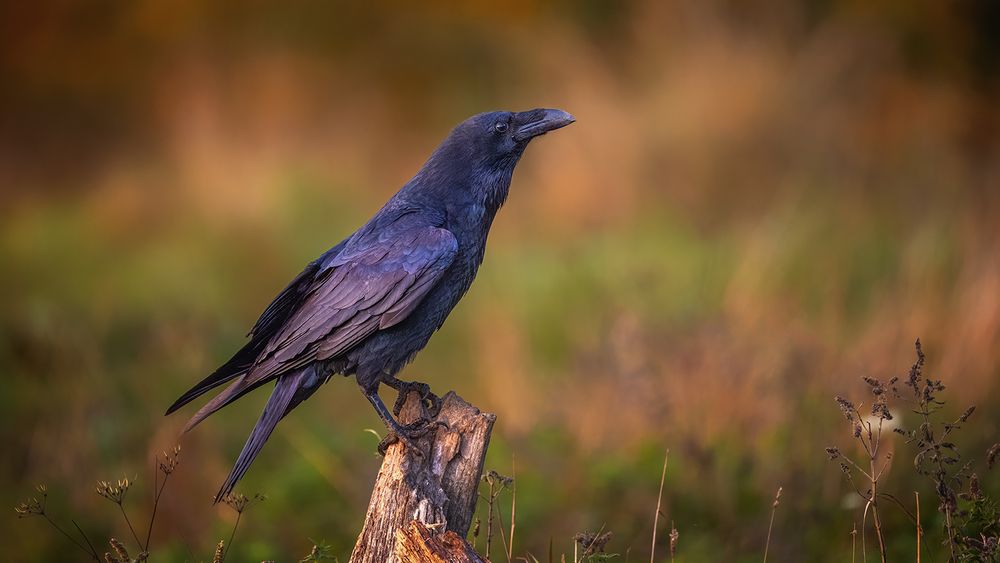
431 401
397 431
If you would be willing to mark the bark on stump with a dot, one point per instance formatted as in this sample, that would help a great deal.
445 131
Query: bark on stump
419 544
438 489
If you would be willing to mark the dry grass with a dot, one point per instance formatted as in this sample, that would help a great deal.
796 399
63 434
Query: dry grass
969 531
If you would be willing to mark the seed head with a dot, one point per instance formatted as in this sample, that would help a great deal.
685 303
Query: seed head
114 492
219 550
674 536
880 408
992 454
968 412
593 542
496 479
847 408
120 552
170 460
974 489
913 380
30 507
876 385
240 502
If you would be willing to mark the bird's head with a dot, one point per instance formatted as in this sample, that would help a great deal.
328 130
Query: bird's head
500 137
480 154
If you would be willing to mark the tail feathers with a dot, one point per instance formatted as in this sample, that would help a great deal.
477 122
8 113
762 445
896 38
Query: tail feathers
235 367
277 406
228 395
235 390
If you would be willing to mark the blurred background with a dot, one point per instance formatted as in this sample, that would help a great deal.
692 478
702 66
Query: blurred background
760 203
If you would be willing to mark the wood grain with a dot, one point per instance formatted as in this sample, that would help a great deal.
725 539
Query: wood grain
436 487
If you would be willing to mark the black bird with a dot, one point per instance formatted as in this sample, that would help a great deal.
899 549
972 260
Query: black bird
370 303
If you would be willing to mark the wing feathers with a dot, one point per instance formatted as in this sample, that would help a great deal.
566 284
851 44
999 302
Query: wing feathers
333 305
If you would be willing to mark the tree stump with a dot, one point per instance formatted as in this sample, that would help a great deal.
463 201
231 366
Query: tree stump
438 489
419 544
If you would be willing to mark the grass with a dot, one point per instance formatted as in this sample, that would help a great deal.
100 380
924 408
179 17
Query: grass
970 515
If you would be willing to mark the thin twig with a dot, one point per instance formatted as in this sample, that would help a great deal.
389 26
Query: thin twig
513 506
854 542
774 508
659 498
864 537
229 544
900 504
131 529
489 522
917 495
84 536
91 552
152 518
503 536
875 517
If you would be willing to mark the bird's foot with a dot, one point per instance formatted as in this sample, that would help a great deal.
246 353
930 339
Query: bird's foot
409 433
430 401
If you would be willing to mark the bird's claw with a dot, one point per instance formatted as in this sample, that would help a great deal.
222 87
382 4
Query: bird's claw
430 401
409 433
391 438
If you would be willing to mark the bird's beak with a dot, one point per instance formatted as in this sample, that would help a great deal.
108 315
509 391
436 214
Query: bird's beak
532 123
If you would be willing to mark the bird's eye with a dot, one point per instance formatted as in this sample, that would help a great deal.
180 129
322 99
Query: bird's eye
501 127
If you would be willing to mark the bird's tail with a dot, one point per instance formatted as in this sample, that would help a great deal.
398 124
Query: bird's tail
237 366
277 406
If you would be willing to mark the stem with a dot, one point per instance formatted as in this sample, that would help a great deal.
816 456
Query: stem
928 429
951 537
131 529
152 518
84 536
231 536
503 537
917 495
878 439
89 552
489 523
656 515
774 508
854 542
875 518
513 507
901 506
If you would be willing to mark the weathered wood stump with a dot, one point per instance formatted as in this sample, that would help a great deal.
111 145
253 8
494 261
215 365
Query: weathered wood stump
437 488
419 544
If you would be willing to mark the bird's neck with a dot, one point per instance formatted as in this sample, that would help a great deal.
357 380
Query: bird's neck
468 194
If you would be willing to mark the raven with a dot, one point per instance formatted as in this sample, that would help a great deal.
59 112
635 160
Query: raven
370 303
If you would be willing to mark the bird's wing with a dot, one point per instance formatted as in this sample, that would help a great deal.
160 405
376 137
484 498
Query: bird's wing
369 286
271 320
